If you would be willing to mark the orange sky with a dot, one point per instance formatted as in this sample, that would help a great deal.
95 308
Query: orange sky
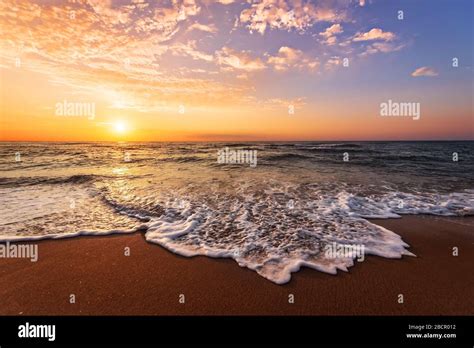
192 71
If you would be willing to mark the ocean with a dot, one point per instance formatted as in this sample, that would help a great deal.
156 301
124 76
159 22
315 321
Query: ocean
273 207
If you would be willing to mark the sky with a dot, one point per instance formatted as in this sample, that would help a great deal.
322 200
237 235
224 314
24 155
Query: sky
235 70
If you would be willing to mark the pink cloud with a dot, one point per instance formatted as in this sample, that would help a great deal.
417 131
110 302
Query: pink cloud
287 15
330 33
239 60
288 58
424 71
374 34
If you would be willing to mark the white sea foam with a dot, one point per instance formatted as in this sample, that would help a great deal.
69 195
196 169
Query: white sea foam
248 222
262 234
57 211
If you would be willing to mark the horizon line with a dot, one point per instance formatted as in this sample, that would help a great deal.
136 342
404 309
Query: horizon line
224 141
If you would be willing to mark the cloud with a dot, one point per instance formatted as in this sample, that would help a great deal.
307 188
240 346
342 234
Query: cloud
424 71
109 15
382 47
283 103
286 15
105 57
332 63
167 18
211 28
332 30
289 58
374 34
238 60
189 49
141 49
330 33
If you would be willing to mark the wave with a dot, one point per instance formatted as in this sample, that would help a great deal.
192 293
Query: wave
328 145
181 159
285 156
6 238
220 145
37 180
144 211
277 230
275 241
337 150
72 179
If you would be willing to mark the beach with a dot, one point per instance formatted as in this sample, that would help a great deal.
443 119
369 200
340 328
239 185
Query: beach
285 172
151 280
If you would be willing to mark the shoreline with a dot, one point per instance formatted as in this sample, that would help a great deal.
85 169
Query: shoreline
151 280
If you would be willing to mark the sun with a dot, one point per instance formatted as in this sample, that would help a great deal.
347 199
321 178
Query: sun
120 127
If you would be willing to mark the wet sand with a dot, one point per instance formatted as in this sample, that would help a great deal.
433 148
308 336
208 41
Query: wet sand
151 280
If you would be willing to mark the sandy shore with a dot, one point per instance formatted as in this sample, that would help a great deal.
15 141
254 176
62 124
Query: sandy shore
150 280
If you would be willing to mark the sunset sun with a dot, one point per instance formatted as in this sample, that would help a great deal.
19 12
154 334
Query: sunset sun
120 127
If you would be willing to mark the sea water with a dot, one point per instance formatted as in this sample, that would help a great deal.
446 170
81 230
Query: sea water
272 218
